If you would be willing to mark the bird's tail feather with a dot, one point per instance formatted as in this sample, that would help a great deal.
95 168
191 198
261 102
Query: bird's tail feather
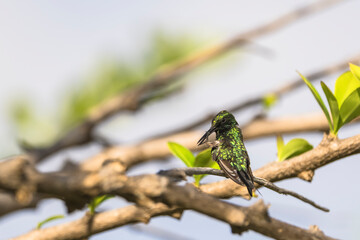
245 178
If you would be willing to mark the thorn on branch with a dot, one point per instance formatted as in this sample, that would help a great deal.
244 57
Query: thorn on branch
306 175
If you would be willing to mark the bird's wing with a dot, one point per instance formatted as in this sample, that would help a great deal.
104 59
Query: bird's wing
248 166
229 171
239 176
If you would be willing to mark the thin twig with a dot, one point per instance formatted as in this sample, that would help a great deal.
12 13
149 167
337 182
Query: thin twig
263 182
270 185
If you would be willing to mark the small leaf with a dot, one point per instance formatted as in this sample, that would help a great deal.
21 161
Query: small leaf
204 159
182 153
351 107
334 108
318 99
214 165
269 100
344 86
355 70
294 148
49 219
96 201
198 179
279 144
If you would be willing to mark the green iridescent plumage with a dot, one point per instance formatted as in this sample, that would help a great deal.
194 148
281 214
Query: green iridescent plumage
229 151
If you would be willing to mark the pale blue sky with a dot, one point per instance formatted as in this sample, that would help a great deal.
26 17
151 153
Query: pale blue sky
45 46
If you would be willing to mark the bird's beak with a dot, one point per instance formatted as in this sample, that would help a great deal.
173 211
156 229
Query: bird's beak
206 135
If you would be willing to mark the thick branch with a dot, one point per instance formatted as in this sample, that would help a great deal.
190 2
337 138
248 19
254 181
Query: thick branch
78 188
90 225
9 203
187 197
142 189
240 218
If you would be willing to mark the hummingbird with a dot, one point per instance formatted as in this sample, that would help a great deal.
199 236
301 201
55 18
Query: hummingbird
229 150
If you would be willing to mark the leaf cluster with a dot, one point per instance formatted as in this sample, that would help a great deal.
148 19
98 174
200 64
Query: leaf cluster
344 103
203 159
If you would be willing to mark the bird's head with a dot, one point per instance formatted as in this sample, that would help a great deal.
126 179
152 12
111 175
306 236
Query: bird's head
221 122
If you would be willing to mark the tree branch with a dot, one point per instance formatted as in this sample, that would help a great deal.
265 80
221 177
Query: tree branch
145 189
180 198
12 174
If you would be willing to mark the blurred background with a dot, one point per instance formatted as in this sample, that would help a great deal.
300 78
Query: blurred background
60 59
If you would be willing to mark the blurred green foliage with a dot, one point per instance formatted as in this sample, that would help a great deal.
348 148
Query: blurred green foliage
109 79
269 100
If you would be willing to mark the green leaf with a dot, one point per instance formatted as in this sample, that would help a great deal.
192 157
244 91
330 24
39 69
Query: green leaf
344 86
351 107
334 108
294 148
355 70
49 219
318 99
198 179
269 100
204 159
279 144
97 201
182 153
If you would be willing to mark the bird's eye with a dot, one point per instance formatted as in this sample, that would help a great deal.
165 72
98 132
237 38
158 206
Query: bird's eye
223 120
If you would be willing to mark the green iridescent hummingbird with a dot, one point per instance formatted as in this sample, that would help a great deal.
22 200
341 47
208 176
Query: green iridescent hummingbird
229 150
